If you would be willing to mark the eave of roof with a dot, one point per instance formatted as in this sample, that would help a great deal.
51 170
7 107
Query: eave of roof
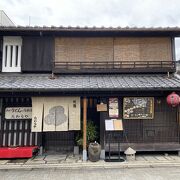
53 30
86 28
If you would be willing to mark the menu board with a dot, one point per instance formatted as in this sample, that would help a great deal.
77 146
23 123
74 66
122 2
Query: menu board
113 125
109 125
138 108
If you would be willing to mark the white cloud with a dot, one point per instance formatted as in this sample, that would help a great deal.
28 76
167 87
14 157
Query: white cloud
94 12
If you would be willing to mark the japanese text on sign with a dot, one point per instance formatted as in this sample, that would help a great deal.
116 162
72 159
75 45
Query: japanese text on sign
18 113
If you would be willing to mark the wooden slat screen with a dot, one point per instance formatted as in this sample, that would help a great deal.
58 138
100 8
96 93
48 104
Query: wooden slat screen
113 49
142 49
16 132
83 49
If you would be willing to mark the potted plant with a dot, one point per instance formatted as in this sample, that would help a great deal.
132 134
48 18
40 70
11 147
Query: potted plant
91 134
93 147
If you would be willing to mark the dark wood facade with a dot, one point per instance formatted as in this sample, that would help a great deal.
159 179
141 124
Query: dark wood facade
159 133
41 53
17 133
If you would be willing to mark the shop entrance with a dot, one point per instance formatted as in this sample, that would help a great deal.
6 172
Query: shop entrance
65 141
94 116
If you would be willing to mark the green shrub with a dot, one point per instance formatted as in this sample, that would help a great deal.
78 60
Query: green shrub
91 134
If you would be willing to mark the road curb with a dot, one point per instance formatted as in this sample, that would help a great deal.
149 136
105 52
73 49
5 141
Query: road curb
89 166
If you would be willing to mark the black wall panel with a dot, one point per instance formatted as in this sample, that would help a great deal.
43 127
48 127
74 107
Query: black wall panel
37 54
163 128
16 132
1 53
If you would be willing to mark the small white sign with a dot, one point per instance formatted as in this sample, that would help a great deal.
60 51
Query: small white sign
109 125
18 113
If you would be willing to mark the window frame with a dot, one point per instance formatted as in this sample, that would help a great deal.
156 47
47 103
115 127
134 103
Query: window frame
11 61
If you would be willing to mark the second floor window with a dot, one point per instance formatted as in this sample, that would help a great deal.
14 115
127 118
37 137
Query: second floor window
11 54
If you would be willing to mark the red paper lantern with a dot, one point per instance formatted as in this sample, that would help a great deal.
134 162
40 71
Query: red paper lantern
173 99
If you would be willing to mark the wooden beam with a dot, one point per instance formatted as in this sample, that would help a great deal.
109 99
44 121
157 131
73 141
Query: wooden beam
84 128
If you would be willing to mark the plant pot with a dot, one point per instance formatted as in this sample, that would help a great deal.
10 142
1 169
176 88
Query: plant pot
94 151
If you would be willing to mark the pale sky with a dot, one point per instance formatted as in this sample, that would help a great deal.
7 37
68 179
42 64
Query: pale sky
148 13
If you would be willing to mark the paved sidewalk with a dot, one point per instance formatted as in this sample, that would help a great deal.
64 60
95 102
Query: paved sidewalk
64 161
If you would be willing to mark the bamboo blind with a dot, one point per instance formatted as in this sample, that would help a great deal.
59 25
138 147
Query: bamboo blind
83 49
142 49
109 49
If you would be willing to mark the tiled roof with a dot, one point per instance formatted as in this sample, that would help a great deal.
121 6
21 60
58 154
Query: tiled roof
42 82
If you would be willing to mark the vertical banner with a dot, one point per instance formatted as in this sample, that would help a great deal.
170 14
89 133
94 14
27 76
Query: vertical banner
113 108
74 113
37 114
55 114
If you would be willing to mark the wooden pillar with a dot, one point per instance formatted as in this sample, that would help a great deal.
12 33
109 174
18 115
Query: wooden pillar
84 129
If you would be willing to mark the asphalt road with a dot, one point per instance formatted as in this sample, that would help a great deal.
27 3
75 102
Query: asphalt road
172 173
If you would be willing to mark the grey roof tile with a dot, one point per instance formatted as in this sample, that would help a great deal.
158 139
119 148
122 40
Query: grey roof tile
42 82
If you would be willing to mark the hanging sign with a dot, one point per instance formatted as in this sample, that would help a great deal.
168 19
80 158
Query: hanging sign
18 113
101 107
113 108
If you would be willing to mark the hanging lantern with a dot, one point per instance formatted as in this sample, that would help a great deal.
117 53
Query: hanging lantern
173 99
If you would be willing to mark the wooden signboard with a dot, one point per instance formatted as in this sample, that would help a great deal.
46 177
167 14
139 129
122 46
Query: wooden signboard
18 113
138 108
101 107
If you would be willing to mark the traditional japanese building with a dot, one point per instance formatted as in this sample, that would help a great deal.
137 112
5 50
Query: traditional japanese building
54 78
